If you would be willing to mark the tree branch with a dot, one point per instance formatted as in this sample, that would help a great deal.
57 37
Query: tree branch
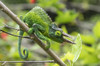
33 36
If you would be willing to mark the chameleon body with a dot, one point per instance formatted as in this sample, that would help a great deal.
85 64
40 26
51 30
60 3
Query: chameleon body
41 25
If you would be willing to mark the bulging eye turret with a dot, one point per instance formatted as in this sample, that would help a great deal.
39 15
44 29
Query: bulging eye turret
58 33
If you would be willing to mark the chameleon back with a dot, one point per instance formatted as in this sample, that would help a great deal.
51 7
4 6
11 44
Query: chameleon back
37 15
44 16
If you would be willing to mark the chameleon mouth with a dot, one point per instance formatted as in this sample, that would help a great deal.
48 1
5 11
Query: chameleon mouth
66 40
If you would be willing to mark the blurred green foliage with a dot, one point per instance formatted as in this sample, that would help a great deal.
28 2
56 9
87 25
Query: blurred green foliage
66 17
56 4
96 29
89 39
14 1
73 52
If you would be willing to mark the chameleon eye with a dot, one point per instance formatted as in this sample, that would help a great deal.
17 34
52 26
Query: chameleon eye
58 33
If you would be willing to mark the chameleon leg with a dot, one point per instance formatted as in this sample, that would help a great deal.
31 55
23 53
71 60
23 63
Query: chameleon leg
25 51
35 26
43 38
30 31
37 31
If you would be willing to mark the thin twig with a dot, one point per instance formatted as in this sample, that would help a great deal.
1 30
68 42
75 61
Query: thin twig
4 63
33 36
49 61
6 26
15 35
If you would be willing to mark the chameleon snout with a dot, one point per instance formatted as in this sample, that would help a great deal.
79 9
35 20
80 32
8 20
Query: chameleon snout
66 40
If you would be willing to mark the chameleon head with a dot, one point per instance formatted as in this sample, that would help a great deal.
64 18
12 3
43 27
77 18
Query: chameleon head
57 35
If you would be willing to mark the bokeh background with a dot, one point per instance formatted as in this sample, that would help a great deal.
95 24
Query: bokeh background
73 16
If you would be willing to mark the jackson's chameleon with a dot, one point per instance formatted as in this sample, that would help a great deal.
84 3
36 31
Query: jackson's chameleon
41 25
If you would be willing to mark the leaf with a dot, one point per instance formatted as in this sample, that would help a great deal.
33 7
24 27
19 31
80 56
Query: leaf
98 47
51 4
66 17
19 64
96 29
88 49
68 56
73 51
88 55
89 39
76 49
64 29
55 46
90 59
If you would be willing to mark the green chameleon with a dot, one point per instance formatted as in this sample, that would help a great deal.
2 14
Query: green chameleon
42 26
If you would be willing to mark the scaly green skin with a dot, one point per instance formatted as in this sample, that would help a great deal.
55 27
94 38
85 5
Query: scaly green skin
19 46
41 25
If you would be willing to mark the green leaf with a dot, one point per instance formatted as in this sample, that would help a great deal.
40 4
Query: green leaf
51 4
64 29
73 51
76 49
96 29
66 17
88 39
90 59
55 46
68 56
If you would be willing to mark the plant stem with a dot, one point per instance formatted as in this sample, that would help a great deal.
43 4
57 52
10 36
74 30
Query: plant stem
15 35
33 36
49 61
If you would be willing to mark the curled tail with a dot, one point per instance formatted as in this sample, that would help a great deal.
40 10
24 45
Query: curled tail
25 51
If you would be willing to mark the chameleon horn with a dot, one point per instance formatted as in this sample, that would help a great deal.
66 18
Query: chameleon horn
67 35
66 40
